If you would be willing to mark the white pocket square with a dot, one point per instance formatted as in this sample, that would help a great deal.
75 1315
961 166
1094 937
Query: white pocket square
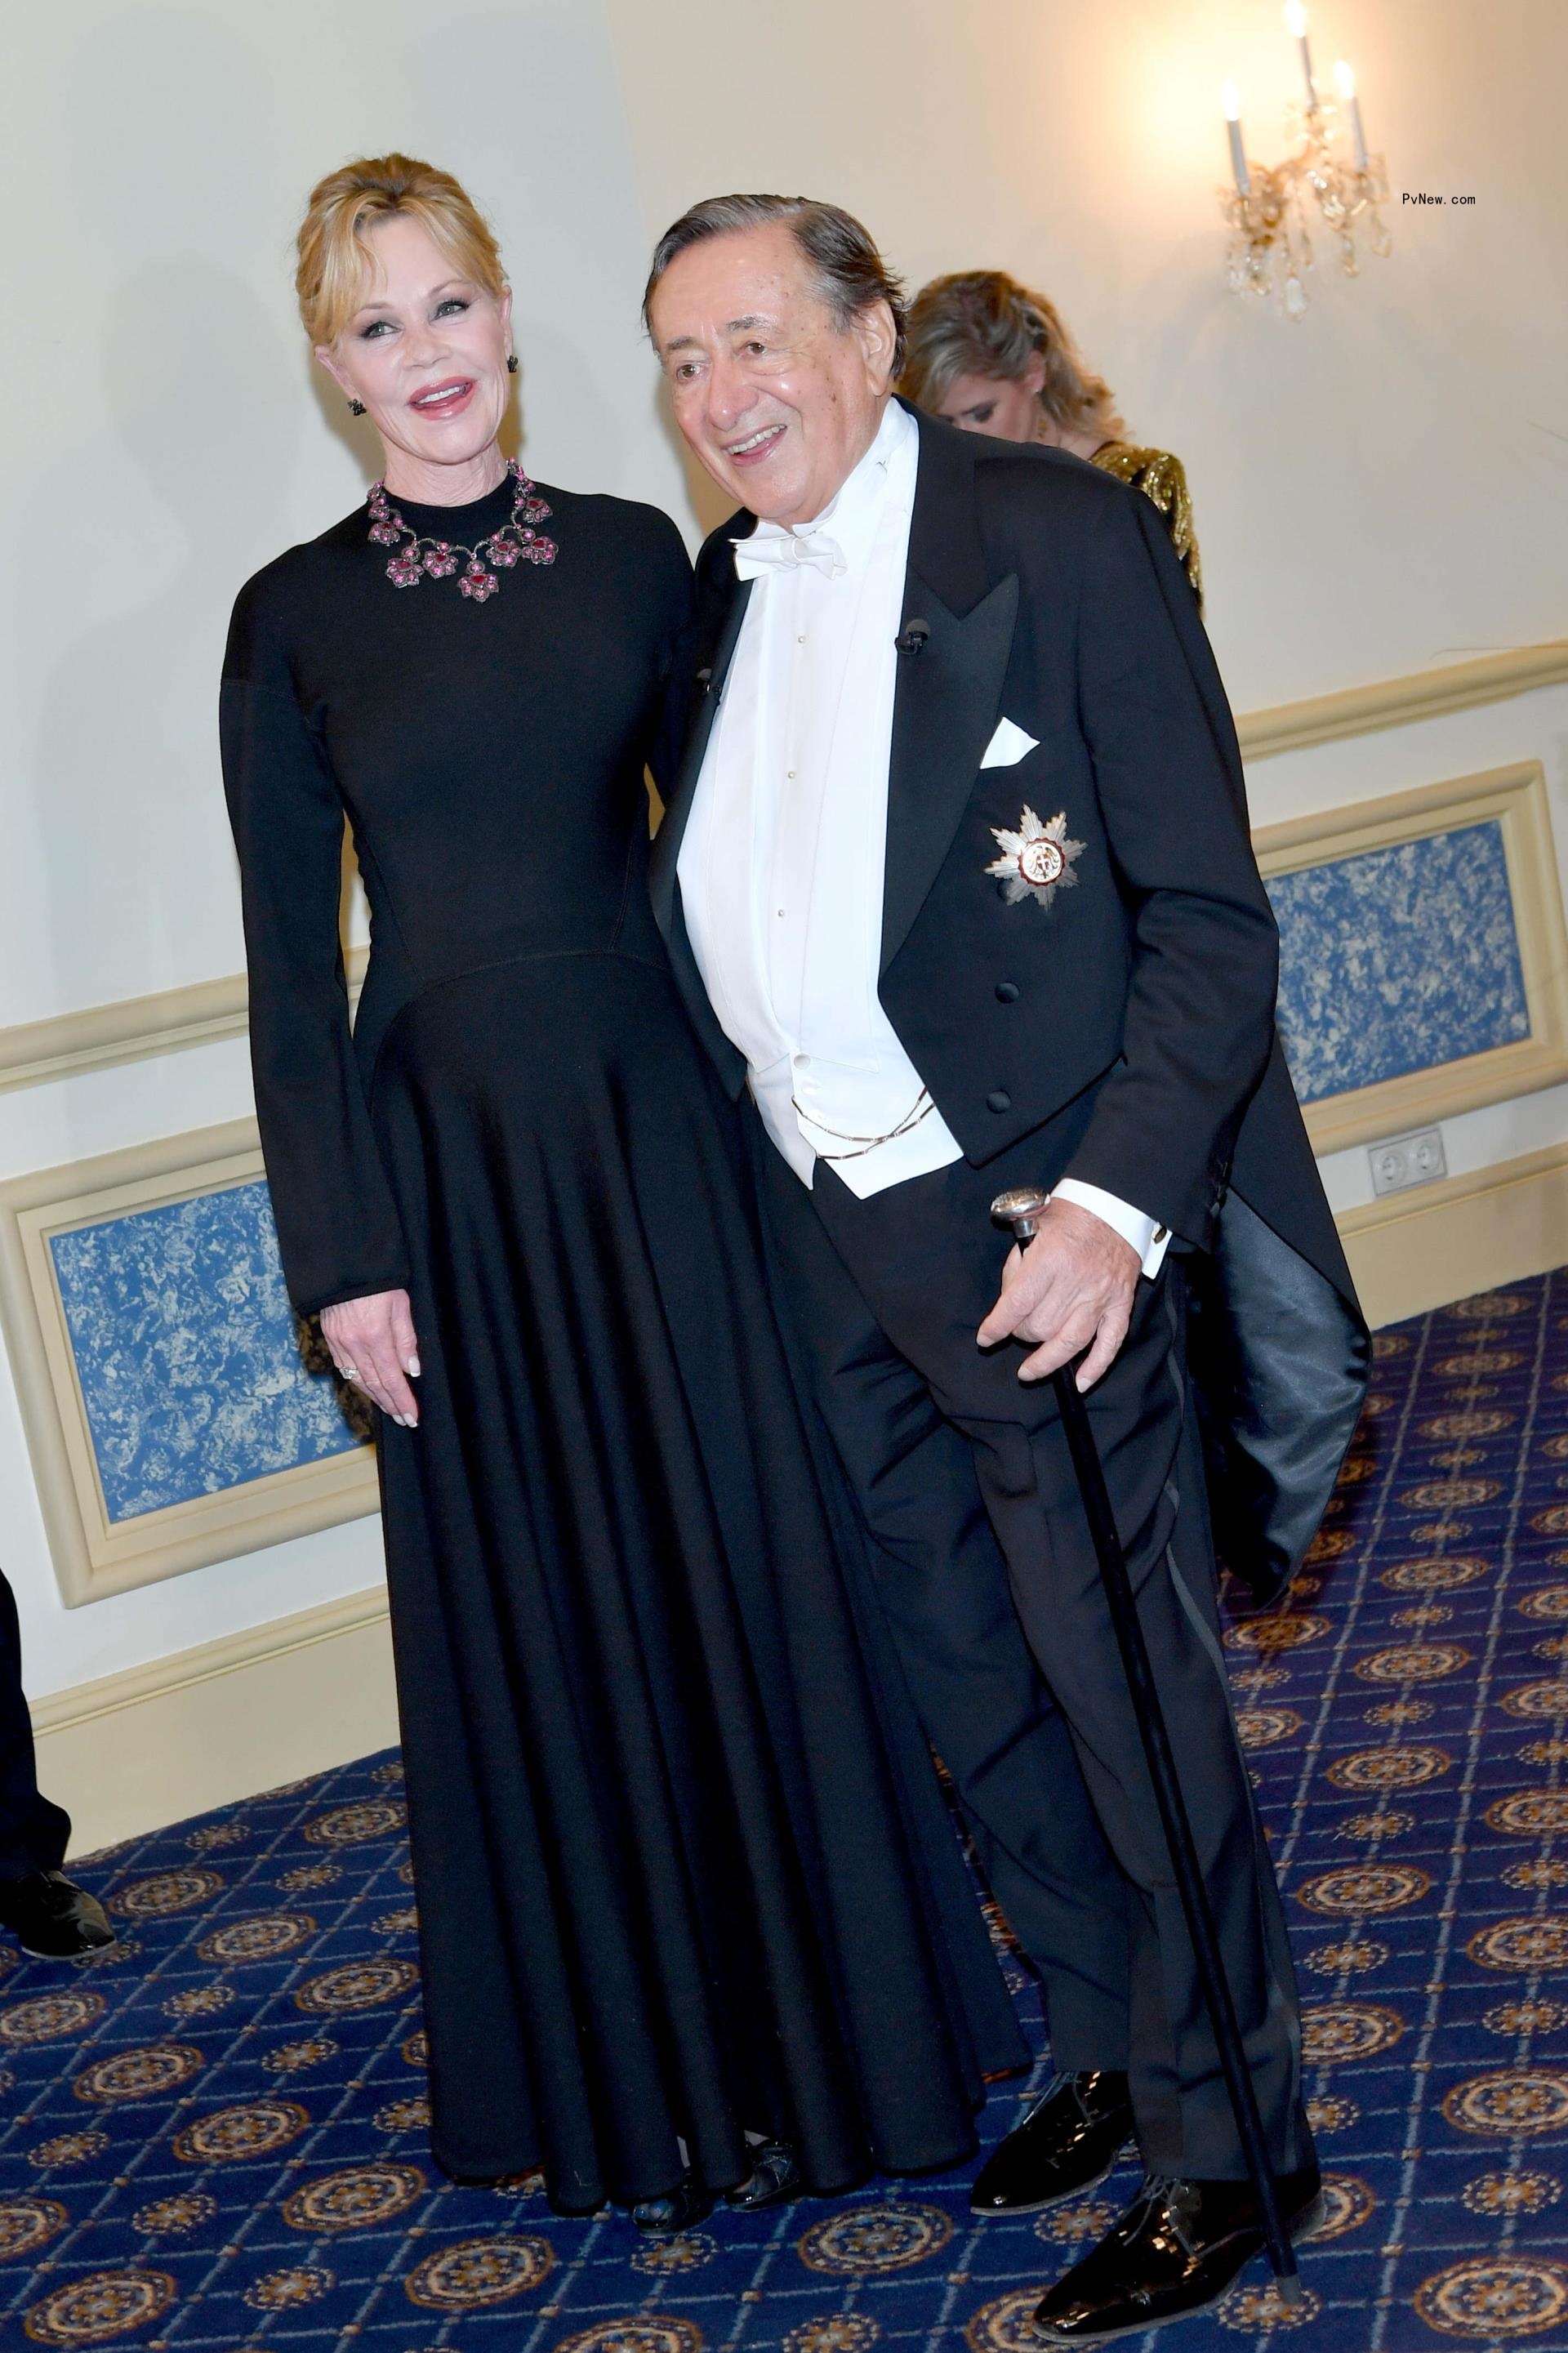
1008 746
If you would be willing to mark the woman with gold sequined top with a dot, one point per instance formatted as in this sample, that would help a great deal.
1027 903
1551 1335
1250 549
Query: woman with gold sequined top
990 356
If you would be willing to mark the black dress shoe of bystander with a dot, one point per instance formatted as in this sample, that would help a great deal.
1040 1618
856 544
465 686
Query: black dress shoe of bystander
52 1918
1177 2249
688 2204
775 2176
1068 2141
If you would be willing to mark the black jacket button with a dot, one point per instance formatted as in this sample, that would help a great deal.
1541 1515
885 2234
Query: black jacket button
1006 992
998 1101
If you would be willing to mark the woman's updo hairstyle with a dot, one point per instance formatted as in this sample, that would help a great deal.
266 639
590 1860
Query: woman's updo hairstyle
335 262
982 322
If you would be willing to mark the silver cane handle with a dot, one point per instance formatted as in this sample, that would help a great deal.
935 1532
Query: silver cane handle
1022 1209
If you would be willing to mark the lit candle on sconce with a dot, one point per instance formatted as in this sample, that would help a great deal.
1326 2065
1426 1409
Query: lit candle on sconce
1266 211
1296 24
1230 98
1346 79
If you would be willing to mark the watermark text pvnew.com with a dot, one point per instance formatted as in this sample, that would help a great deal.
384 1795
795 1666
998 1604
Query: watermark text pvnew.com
1407 198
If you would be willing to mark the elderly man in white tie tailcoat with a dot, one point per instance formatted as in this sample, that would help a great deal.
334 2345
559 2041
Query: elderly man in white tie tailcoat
957 878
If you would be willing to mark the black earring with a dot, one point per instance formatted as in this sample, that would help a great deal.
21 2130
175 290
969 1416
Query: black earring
357 409
511 363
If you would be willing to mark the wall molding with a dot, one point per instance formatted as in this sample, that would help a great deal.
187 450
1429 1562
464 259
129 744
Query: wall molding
98 1037
1412 1251
1402 702
94 1555
32 1053
1515 798
153 1744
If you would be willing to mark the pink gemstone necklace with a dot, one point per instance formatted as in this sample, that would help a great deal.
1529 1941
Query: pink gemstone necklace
517 541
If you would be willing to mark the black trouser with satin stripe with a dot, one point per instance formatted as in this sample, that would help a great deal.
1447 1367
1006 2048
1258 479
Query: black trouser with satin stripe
985 1569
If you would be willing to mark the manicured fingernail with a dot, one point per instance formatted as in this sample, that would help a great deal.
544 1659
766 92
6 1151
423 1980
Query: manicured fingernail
414 1368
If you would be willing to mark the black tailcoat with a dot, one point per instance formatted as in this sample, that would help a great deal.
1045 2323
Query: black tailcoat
1128 1022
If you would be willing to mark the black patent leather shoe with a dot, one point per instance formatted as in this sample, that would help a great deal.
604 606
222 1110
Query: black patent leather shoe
1177 2249
775 2176
52 1918
688 2204
1066 2144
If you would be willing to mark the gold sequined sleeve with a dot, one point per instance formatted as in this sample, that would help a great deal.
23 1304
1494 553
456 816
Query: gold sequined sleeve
1162 478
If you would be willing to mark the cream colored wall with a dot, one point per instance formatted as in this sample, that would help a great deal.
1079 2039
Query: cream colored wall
1380 488
166 436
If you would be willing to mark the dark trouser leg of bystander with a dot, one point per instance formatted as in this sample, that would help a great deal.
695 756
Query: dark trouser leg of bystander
33 1832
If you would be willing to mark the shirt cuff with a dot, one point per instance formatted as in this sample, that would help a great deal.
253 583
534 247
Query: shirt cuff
1150 1241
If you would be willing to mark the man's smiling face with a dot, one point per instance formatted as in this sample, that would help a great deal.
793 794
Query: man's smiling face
776 397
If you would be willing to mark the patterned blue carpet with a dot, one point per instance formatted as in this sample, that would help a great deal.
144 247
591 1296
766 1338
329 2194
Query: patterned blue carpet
216 2137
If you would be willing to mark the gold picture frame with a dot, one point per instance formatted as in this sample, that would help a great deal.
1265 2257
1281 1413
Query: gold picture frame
1515 798
94 1555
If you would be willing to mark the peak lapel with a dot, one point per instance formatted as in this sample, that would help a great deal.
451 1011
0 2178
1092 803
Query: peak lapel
948 696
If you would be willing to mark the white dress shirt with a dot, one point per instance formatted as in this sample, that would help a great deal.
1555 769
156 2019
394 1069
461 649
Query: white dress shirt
781 862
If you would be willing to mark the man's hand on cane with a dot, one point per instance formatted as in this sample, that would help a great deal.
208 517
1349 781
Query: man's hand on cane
1071 1289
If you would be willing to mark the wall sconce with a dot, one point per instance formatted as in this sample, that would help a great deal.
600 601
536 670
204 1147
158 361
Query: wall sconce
1270 249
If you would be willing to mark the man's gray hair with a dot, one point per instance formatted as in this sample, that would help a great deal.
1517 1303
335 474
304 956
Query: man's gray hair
847 271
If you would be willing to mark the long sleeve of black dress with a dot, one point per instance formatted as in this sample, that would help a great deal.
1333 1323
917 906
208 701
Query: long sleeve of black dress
485 757
337 1226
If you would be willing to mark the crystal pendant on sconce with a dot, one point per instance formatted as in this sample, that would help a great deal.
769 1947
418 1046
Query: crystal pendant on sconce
1270 249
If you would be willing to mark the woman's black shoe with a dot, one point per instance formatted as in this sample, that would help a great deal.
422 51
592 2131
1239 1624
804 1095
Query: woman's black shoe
1066 2144
1177 2249
53 1918
775 2176
688 2204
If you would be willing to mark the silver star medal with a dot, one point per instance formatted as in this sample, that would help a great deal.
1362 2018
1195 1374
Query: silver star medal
1037 860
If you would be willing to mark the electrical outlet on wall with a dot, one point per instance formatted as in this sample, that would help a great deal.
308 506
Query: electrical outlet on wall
1403 1160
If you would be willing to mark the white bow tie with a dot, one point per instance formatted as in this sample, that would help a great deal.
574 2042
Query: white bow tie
786 552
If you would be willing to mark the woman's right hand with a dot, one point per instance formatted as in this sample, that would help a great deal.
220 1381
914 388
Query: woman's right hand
373 1345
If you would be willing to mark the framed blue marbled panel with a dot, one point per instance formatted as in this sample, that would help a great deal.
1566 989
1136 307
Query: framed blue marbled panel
1424 955
187 1354
171 1418
1398 959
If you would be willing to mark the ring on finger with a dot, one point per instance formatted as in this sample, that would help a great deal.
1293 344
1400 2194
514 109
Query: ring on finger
348 1372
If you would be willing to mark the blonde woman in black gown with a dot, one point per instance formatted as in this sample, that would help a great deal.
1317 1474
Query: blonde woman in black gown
992 356
692 1921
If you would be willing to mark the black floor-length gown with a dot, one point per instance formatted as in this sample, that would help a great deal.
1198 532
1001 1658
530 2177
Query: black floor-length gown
682 1867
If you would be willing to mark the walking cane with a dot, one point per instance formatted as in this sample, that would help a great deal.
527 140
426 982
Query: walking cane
1021 1210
